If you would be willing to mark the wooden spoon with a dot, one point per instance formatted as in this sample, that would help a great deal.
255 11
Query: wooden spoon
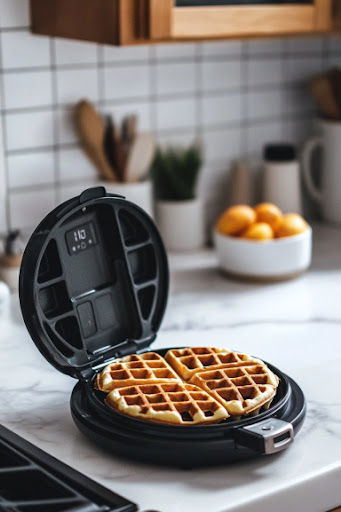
323 92
91 129
140 157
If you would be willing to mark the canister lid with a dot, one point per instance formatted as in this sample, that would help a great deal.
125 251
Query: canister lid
279 152
94 282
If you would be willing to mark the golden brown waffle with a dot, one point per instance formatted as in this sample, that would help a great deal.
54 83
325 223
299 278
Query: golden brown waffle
174 404
135 369
188 361
243 388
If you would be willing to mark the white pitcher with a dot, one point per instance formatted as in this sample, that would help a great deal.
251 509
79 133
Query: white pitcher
329 195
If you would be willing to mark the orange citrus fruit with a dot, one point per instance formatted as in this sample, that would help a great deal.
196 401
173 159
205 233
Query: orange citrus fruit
292 224
235 220
269 213
259 231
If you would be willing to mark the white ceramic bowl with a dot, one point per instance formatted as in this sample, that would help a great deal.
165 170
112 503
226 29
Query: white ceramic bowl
277 259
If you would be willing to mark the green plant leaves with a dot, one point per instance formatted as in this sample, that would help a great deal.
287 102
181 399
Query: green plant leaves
175 172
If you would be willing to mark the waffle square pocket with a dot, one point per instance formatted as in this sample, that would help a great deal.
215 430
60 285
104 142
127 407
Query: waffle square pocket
135 369
242 389
188 361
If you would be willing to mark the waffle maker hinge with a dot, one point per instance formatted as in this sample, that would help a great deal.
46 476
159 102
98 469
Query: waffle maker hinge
126 348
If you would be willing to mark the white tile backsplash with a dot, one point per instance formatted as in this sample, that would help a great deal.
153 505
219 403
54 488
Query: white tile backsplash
299 70
305 45
297 101
222 145
298 130
257 136
175 114
334 61
3 185
235 96
75 165
269 47
14 13
221 109
20 49
334 44
26 130
175 51
172 78
27 170
122 82
264 72
222 49
27 208
221 75
66 133
265 104
28 89
75 84
180 139
114 54
69 52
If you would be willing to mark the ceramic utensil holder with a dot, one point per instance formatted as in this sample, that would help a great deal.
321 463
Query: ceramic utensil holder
140 193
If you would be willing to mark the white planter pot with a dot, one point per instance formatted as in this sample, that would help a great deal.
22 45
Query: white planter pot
140 193
181 224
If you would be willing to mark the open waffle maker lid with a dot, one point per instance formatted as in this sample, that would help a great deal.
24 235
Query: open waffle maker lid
94 282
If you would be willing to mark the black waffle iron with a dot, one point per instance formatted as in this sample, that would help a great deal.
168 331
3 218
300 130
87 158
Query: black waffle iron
93 287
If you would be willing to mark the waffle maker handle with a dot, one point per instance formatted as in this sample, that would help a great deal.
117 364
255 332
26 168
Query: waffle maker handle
266 437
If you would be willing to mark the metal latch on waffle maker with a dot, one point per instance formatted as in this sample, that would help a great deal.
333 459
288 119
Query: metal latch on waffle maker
268 436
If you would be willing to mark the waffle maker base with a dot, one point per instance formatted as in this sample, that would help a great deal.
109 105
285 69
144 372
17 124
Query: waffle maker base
182 446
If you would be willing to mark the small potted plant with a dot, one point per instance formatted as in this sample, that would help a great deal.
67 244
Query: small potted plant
179 212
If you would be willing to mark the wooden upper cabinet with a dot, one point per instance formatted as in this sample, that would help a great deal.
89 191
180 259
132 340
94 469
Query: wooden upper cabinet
198 19
123 22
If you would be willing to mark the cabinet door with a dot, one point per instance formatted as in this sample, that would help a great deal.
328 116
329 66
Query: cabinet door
205 19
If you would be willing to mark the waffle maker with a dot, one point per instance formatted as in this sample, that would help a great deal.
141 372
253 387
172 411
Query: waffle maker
93 287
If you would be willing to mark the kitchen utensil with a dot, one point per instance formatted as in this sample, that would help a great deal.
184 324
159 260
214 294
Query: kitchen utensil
91 129
114 148
129 130
93 287
33 480
328 195
241 184
281 178
323 91
140 157
109 145
272 260
335 79
120 153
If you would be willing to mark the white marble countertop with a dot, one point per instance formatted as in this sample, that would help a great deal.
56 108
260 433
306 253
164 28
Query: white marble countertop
296 325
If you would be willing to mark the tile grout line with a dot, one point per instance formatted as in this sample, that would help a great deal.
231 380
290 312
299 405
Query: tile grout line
54 84
153 91
244 90
4 143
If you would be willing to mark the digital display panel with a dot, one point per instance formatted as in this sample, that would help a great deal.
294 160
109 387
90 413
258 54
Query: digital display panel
81 238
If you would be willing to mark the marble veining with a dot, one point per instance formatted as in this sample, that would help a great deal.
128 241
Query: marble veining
295 325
